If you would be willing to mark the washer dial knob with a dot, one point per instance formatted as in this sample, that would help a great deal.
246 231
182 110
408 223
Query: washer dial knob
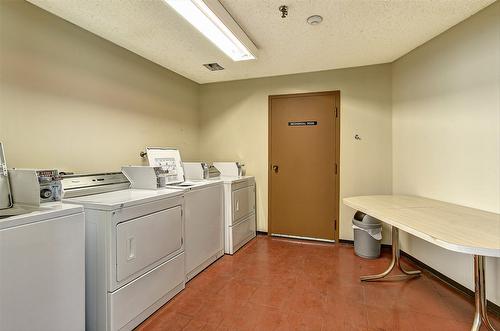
45 193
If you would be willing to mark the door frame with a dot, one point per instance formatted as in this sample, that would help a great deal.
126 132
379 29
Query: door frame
336 110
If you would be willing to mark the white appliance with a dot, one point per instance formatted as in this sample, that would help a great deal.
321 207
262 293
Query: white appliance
134 251
204 206
146 177
239 212
42 269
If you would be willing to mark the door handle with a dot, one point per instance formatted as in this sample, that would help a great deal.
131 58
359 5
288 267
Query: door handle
275 168
130 248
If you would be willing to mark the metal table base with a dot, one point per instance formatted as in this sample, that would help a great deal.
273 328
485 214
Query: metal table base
481 314
395 263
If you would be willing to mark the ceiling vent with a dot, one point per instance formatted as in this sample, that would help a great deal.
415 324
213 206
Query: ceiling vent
213 66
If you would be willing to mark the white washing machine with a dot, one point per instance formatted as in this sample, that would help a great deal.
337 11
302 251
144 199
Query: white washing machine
134 249
42 269
204 206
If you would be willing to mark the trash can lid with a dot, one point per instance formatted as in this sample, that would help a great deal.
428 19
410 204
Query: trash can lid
366 219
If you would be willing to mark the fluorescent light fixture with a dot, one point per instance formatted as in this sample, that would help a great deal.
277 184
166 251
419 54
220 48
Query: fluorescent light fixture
214 22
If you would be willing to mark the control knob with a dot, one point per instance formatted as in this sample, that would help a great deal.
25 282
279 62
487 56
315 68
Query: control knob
45 193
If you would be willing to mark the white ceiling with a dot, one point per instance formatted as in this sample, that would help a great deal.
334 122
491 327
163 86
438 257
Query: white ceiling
353 32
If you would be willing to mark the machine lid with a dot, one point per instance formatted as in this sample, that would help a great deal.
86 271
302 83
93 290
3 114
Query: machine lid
213 172
5 194
234 180
229 169
169 159
197 184
123 199
30 214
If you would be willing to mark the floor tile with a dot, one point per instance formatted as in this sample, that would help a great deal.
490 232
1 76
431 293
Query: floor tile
271 296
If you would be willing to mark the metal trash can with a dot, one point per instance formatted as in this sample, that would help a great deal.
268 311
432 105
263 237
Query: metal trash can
367 235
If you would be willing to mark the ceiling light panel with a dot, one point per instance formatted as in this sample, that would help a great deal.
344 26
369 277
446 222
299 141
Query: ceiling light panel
216 24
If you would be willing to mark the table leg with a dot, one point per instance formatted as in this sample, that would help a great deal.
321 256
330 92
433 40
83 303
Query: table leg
395 262
481 315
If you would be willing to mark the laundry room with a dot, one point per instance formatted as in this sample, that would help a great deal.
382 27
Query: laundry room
249 165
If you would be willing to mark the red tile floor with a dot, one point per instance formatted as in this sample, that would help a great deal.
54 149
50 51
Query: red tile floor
278 284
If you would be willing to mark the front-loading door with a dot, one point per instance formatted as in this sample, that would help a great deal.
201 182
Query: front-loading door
142 241
243 203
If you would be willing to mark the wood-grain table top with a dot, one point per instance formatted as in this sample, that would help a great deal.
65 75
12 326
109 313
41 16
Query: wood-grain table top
454 227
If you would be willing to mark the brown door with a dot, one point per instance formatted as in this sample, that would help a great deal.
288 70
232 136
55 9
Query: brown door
303 165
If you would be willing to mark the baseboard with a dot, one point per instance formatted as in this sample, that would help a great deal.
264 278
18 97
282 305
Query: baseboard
262 233
492 307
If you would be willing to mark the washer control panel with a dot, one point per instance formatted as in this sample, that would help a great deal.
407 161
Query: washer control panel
34 186
50 185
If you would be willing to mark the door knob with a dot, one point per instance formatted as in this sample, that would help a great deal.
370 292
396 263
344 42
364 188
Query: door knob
275 168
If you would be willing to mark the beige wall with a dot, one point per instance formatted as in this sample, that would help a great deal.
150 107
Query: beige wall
71 100
446 129
234 126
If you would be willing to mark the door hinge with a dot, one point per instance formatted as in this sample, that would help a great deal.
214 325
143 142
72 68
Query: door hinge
336 112
336 168
335 225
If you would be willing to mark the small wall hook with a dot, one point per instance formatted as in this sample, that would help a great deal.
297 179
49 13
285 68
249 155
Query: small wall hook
357 137
284 11
143 154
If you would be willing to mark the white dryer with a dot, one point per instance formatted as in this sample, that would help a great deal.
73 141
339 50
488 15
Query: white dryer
42 269
239 201
134 250
239 212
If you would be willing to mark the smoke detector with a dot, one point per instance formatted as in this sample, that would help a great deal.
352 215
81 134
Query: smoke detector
213 66
314 19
